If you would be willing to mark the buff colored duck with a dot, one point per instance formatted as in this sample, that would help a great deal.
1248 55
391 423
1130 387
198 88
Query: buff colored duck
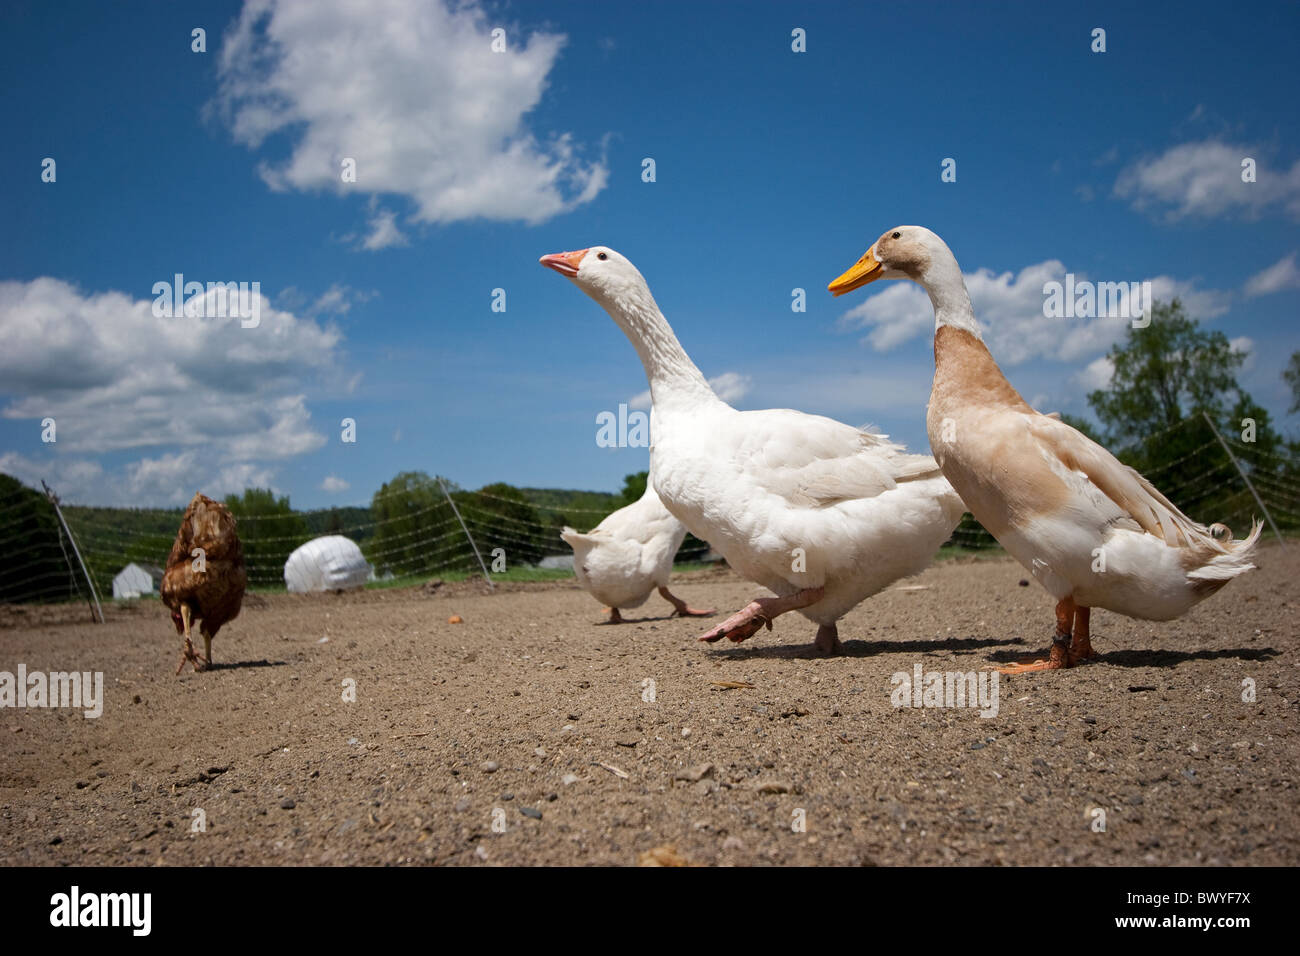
1091 530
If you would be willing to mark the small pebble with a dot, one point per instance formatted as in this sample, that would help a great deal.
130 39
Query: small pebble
287 804
531 812
489 766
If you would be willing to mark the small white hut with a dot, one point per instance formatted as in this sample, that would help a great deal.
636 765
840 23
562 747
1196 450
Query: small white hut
329 563
135 580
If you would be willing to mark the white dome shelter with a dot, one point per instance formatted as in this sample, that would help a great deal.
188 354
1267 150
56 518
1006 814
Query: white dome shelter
135 580
330 563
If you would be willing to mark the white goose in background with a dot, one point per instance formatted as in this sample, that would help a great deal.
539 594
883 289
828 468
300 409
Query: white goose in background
1093 531
629 554
820 513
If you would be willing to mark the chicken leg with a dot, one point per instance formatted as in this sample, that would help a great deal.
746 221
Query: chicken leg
188 653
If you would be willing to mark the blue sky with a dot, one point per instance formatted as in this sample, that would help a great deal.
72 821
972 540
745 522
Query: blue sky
774 170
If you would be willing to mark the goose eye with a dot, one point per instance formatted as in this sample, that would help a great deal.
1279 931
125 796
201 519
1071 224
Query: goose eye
601 255
897 235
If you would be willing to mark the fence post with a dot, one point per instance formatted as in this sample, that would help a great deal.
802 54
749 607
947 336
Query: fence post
1241 471
54 500
456 511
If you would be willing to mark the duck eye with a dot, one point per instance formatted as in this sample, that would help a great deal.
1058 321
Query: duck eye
601 255
897 234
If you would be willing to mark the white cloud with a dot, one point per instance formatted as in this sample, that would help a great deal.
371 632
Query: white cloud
729 386
1198 303
1009 307
1096 375
412 91
1278 277
338 299
384 231
1204 179
70 478
334 484
169 479
1246 346
218 400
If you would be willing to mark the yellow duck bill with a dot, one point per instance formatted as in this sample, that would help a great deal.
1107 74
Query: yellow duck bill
865 270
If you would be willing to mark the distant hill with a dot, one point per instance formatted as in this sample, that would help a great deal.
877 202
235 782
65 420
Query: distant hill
110 538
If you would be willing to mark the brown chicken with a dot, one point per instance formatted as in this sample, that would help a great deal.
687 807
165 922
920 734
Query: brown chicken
207 583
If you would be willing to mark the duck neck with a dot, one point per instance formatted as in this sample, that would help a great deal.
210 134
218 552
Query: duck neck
674 379
947 291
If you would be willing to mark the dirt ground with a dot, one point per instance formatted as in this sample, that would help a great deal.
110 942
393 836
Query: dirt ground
531 718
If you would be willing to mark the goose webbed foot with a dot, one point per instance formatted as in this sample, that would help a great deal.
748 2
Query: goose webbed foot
759 612
828 640
682 608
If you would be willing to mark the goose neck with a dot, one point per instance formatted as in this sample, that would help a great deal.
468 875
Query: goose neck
674 378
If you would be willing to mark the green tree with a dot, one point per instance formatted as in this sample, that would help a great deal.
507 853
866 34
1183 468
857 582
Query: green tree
1167 378
270 530
1084 426
1292 376
32 565
634 487
1163 374
415 530
500 516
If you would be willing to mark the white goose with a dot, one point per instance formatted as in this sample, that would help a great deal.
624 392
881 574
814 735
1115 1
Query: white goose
629 554
1093 531
820 513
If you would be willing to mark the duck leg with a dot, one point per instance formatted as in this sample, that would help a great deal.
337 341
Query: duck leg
1081 648
1059 656
681 607
760 611
614 617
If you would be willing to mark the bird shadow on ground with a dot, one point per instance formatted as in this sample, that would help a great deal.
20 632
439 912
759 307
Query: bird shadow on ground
651 620
238 665
864 648
1167 658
